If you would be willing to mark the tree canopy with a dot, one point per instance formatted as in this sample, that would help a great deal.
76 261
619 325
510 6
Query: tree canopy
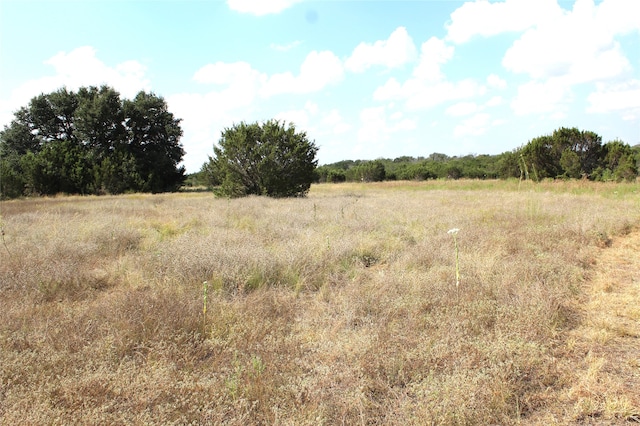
263 159
566 153
91 142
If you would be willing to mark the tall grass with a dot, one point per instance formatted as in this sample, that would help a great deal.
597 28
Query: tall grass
333 309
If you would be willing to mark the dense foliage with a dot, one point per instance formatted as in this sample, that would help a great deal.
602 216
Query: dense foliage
566 153
91 142
262 159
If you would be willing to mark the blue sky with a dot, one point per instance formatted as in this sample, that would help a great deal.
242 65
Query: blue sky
364 79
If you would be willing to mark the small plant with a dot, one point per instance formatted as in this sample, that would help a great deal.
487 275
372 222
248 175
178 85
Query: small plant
233 383
454 233
258 365
2 235
205 293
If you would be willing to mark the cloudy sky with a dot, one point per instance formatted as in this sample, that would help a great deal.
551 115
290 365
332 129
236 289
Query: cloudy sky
364 79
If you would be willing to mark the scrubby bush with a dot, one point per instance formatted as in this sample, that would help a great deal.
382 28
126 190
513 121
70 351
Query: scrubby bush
263 159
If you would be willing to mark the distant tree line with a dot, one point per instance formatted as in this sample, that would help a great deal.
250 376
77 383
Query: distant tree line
91 142
568 153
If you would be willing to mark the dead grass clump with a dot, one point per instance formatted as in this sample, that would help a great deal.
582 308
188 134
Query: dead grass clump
63 272
117 239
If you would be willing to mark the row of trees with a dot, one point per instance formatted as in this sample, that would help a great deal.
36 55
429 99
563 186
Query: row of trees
571 153
91 142
436 166
566 153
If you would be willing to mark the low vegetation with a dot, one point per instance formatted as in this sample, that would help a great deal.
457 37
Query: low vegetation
338 308
567 153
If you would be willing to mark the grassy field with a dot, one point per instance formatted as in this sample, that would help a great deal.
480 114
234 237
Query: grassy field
339 308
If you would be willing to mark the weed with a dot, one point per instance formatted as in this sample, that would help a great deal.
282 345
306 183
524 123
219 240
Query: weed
454 232
233 382
205 293
4 243
257 365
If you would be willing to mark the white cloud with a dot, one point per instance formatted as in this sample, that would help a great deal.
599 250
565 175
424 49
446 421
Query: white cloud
578 45
401 123
81 67
476 125
496 82
394 52
419 94
433 53
473 126
623 98
203 116
392 89
462 109
335 122
546 97
488 19
260 7
429 96
558 48
376 128
285 47
373 125
558 115
494 101
318 70
406 124
300 117
621 16
241 85
239 89
396 116
77 68
312 107
227 73
428 85
571 48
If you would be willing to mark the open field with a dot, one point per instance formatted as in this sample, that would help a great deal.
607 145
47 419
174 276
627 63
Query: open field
339 308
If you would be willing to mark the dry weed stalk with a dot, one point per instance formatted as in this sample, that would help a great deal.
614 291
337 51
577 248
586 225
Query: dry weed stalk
454 232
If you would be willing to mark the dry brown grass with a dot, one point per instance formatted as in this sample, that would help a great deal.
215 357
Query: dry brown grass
604 349
339 308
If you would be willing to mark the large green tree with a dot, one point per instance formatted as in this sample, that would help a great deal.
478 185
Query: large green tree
154 141
566 153
263 159
618 162
91 141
